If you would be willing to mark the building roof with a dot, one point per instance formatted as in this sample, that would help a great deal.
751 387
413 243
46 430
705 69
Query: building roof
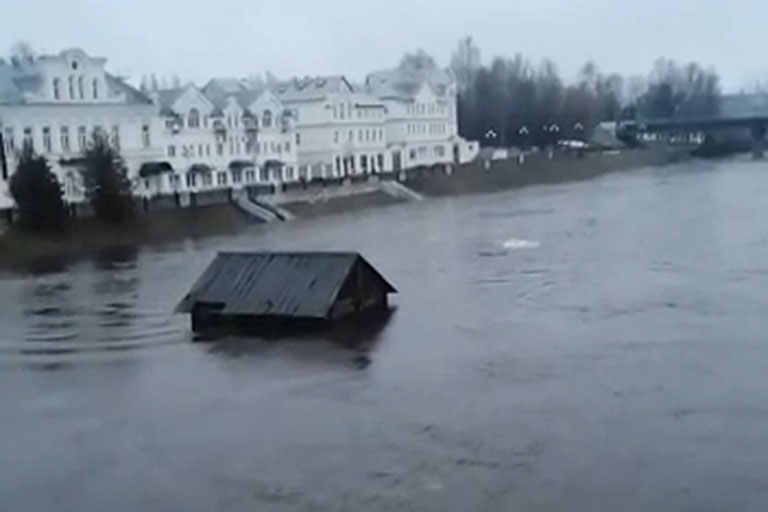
18 82
276 284
312 88
167 97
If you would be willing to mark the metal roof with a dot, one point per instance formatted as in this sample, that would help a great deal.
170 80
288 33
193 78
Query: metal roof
284 284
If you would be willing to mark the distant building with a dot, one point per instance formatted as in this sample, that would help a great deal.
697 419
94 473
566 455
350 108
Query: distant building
231 133
341 130
422 123
55 102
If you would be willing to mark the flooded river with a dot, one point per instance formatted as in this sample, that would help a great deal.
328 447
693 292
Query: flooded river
600 345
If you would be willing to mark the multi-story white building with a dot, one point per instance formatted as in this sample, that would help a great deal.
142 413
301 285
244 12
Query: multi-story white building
422 125
223 138
230 133
341 131
55 102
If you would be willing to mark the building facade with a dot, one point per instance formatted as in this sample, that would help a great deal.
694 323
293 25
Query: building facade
422 122
230 133
341 131
55 102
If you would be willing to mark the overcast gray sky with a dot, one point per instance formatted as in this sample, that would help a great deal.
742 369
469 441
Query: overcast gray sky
197 39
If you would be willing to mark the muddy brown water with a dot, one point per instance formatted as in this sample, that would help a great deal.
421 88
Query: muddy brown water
599 345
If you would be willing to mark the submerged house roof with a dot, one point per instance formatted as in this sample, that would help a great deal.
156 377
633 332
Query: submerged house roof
277 284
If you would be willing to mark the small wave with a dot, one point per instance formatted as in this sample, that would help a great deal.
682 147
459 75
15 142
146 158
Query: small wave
520 243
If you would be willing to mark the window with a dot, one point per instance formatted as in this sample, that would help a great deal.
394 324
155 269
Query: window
336 137
207 179
380 161
207 150
199 150
231 146
193 119
116 137
95 87
372 163
289 173
47 139
359 113
338 165
263 174
237 147
341 111
351 136
439 151
237 176
287 146
191 179
81 138
250 176
352 164
145 140
171 151
219 149
266 119
71 87
27 141
229 121
56 89
412 154
298 139
422 151
65 147
81 87
221 178
363 164
248 147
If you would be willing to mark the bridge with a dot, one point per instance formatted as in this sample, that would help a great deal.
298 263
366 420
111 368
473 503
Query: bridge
741 111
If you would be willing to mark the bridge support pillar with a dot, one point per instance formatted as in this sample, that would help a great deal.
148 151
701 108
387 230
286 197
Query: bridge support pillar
758 141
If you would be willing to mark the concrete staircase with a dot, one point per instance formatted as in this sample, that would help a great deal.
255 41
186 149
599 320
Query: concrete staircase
399 191
260 209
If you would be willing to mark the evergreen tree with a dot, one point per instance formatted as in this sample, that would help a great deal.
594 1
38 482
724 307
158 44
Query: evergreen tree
107 187
38 194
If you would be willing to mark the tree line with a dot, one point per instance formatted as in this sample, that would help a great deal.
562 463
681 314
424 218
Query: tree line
39 195
512 101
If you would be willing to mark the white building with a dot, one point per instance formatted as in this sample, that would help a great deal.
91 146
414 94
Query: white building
422 125
223 138
341 131
55 102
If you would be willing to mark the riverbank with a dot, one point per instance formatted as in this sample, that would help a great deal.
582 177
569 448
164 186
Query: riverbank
86 237
535 169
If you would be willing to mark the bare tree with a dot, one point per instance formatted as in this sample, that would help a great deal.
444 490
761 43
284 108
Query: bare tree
465 62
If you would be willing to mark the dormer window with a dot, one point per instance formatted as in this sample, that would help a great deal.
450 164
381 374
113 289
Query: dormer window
193 120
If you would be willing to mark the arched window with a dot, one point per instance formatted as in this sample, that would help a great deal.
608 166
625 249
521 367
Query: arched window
81 87
193 119
56 89
71 87
266 119
95 87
